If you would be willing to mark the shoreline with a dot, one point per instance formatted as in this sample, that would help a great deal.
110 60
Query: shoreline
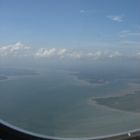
3 78
131 90
11 77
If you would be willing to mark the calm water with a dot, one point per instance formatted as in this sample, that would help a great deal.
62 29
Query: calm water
56 104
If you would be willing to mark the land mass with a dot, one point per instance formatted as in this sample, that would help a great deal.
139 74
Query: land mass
128 100
3 77
16 72
5 73
91 80
97 81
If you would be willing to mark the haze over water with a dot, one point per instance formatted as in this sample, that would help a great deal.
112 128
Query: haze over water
56 102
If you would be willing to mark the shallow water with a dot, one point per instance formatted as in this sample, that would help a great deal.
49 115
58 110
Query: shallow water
56 104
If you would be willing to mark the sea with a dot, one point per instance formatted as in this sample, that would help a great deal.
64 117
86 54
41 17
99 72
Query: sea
56 103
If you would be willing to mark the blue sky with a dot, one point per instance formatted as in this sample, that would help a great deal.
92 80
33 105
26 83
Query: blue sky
71 23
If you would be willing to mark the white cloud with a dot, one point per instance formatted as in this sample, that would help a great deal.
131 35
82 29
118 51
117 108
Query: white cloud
50 52
83 11
104 54
14 50
18 49
116 18
61 52
75 54
58 53
43 52
115 54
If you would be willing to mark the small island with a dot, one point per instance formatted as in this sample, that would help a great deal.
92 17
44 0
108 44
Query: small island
92 79
3 77
97 81
16 72
5 73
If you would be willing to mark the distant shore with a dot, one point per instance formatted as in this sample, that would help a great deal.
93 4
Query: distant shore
118 101
3 77
8 73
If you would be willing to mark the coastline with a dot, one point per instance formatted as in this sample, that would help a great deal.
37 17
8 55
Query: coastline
2 78
131 90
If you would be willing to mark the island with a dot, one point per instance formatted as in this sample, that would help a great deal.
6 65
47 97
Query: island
97 81
5 73
3 77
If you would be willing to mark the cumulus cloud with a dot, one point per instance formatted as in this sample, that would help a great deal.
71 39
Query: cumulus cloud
14 50
19 49
104 54
50 52
75 54
116 18
58 53
115 54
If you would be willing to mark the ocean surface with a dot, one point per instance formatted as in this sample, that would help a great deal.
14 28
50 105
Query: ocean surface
56 103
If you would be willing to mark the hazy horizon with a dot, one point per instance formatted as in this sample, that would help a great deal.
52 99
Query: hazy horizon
85 30
70 68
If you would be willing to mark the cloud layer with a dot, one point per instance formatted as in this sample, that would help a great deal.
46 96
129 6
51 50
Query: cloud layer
75 54
50 52
19 49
